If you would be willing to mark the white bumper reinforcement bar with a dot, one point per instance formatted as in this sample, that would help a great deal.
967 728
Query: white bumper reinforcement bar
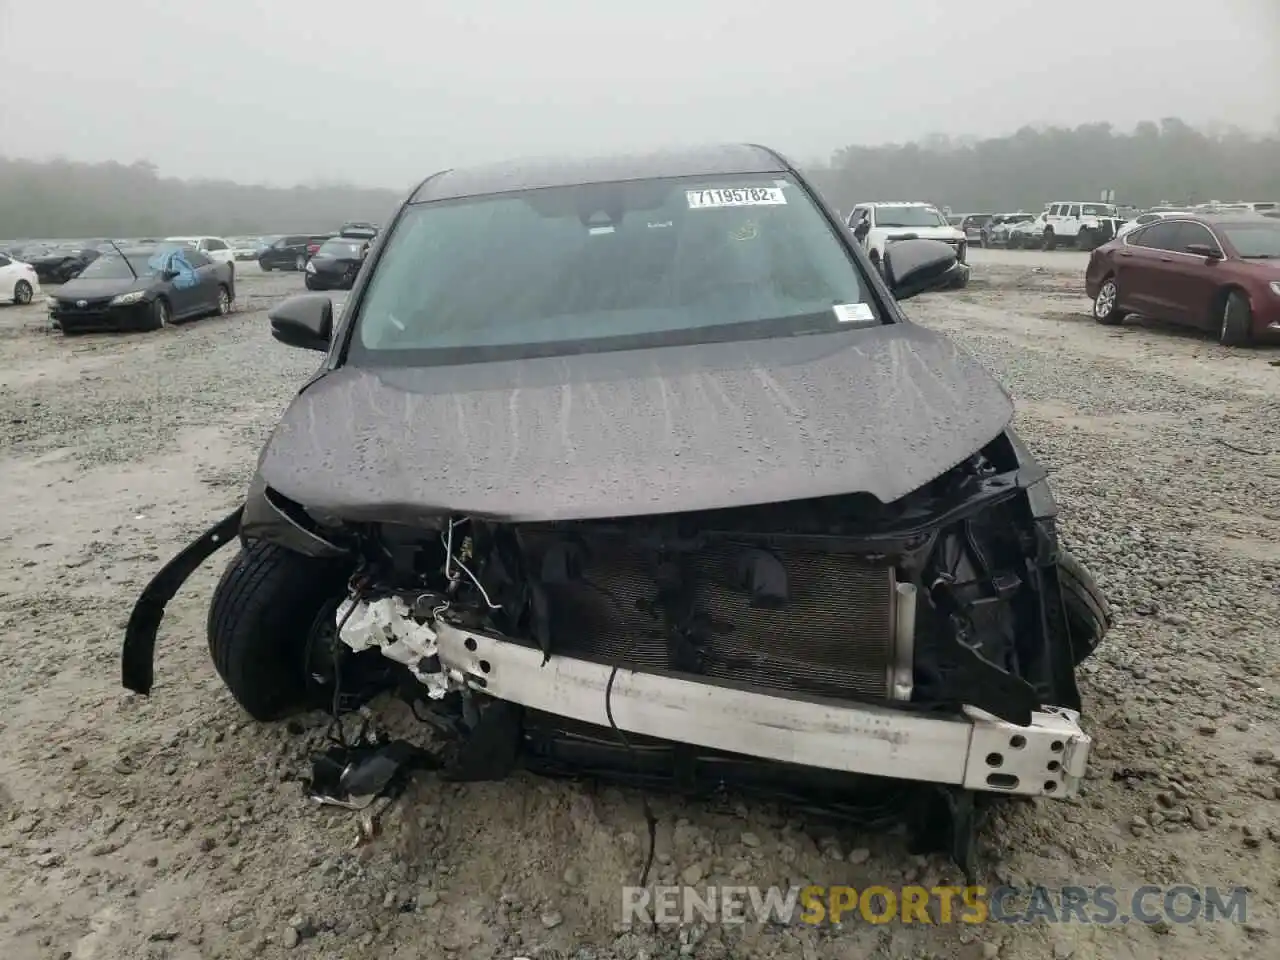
976 750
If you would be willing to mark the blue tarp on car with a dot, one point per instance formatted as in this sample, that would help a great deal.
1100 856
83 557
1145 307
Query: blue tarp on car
176 261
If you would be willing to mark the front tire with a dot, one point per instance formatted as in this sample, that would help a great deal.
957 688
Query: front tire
224 300
161 314
1050 240
1086 606
1106 305
22 293
1236 327
260 623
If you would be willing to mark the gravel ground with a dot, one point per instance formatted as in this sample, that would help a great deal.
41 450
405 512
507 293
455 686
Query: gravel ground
170 827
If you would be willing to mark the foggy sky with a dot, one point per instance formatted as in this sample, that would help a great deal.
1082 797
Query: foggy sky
382 93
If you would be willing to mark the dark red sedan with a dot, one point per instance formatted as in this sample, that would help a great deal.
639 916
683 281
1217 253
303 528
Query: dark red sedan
1219 273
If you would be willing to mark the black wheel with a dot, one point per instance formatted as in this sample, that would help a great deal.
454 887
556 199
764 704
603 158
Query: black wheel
311 284
161 314
260 624
22 293
1050 239
300 263
1085 239
224 300
266 267
1106 305
1088 612
1236 325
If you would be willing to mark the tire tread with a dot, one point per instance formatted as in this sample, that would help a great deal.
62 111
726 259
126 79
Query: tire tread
262 611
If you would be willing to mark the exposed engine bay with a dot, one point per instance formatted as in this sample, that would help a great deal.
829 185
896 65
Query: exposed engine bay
944 604
795 648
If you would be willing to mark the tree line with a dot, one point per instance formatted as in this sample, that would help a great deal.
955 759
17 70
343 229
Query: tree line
68 199
1169 161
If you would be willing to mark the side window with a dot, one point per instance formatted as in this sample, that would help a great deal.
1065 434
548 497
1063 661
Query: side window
1074 210
1055 210
215 244
197 259
1189 233
1149 218
1159 236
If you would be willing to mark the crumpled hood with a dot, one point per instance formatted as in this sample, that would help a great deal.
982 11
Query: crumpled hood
881 410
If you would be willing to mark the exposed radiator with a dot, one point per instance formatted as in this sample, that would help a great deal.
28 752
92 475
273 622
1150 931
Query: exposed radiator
833 636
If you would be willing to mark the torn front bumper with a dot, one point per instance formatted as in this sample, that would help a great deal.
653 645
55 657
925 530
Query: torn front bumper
975 750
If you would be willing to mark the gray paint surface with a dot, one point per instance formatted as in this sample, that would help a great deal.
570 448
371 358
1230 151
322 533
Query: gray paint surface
535 172
881 410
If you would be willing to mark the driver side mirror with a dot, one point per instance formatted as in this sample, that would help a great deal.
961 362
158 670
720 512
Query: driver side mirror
1204 250
913 267
304 321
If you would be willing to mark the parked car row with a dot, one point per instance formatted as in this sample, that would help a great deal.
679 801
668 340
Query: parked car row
294 251
1084 225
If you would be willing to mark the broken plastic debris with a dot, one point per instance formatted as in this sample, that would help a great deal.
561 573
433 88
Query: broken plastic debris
388 624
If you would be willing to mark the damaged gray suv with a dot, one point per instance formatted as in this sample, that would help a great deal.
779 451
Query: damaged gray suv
633 467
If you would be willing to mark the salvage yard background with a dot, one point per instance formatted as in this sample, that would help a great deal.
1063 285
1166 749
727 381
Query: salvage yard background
171 827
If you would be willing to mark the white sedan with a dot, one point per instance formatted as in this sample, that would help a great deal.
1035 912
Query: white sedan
215 248
1143 219
18 281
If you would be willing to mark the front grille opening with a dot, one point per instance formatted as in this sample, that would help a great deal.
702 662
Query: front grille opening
833 635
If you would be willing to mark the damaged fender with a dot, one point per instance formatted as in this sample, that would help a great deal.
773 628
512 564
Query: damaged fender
137 660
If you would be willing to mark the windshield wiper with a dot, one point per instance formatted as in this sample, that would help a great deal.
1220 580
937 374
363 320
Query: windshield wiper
124 258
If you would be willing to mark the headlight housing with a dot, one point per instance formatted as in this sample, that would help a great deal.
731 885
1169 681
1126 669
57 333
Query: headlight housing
1275 287
125 299
311 267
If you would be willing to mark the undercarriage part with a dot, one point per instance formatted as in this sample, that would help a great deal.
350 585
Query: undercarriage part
354 775
947 820
974 749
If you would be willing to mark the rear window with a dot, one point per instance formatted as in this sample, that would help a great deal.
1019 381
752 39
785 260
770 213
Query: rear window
607 266
340 248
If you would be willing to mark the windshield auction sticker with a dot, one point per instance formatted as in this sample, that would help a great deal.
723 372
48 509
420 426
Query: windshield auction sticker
853 312
735 197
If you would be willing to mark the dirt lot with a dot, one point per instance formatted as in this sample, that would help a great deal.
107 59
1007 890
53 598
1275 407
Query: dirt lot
172 828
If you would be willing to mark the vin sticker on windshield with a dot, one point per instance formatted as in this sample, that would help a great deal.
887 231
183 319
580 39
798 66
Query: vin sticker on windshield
853 312
735 197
